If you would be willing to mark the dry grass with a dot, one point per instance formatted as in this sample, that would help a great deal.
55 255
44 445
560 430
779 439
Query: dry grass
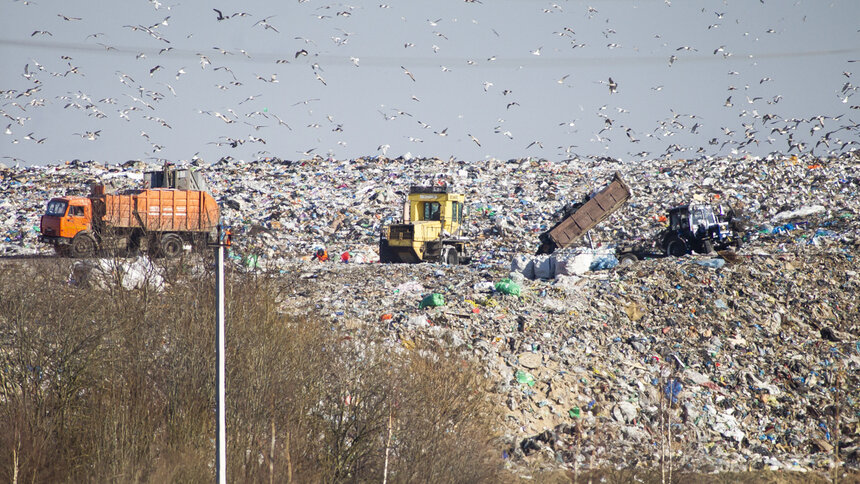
105 384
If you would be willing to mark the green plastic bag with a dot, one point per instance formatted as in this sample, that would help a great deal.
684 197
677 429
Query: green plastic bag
574 412
507 286
252 261
527 378
432 300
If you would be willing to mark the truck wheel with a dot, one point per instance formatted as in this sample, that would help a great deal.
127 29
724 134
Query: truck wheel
676 248
627 259
171 245
83 245
452 258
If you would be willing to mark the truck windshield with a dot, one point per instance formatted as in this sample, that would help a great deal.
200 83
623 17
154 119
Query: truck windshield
56 207
703 217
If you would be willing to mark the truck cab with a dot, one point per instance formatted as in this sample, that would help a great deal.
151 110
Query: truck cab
433 216
65 218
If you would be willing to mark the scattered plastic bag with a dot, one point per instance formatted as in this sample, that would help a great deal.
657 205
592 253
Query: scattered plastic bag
712 263
526 378
602 262
673 389
544 267
432 300
524 265
509 287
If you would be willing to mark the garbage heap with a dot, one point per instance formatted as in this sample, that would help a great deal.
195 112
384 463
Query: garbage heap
722 361
745 365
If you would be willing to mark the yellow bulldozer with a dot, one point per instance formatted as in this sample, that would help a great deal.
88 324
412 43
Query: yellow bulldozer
431 230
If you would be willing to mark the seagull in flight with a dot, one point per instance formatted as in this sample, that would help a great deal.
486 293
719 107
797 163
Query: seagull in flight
406 71
266 24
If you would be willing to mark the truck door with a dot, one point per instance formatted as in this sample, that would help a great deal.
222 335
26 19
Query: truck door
77 218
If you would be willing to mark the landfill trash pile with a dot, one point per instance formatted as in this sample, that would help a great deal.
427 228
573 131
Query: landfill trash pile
741 359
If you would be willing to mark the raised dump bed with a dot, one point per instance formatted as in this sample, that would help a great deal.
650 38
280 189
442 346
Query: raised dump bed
584 217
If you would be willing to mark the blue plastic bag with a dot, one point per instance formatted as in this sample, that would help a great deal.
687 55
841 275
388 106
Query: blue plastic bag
712 263
673 389
603 262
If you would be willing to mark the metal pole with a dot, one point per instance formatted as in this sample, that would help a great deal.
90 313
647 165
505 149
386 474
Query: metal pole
221 441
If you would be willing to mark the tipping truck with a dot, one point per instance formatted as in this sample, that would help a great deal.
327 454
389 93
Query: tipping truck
692 228
581 217
431 230
159 221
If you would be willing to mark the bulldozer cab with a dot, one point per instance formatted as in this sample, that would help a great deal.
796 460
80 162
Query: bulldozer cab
436 209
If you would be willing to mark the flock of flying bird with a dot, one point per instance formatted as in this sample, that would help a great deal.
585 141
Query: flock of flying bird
835 133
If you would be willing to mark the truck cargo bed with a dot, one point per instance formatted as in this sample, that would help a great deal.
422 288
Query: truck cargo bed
161 210
595 210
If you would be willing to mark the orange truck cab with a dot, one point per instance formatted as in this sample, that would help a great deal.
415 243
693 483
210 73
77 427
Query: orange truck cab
65 218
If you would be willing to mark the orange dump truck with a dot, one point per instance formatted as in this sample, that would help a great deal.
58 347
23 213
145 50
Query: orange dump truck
160 221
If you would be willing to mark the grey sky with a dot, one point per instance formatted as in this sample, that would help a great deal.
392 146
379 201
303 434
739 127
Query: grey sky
475 67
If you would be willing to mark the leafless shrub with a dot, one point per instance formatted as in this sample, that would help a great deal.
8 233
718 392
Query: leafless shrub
110 383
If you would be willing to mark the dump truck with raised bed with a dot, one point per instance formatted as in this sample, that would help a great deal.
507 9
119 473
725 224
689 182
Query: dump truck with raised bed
582 217
692 228
159 221
431 230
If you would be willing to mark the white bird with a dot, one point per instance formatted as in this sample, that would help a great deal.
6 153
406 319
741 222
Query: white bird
90 135
204 61
223 118
250 98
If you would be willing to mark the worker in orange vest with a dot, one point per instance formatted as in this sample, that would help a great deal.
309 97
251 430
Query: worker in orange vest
321 255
